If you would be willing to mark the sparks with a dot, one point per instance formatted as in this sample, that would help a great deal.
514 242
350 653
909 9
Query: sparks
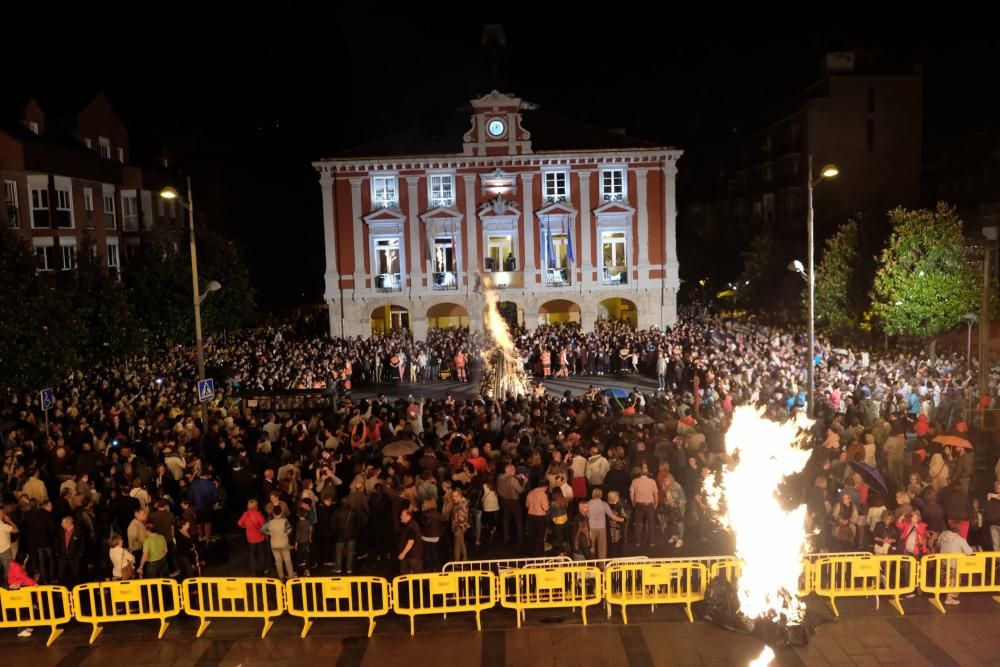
503 371
764 659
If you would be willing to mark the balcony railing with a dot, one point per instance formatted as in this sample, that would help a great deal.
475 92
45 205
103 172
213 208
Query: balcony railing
388 282
615 275
444 280
558 278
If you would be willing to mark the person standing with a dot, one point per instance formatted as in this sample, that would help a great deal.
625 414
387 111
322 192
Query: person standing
121 559
644 493
950 542
252 522
278 529
509 488
41 532
7 528
538 515
410 547
137 534
599 515
154 554
69 550
346 523
188 561
459 524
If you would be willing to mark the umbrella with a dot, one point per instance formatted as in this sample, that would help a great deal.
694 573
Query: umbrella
615 392
399 448
953 441
871 476
636 420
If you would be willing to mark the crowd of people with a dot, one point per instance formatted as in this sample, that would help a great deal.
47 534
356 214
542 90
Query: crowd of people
128 481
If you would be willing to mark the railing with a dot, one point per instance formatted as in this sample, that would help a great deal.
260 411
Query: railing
388 282
444 280
617 275
557 278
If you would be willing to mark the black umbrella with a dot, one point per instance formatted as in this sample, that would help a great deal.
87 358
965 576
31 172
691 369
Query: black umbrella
871 476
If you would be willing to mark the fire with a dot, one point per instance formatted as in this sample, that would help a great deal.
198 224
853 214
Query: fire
503 371
764 659
770 540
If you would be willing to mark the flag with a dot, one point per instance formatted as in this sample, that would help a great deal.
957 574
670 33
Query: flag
569 242
550 247
454 251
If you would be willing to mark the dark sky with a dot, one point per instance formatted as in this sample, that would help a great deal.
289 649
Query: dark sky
247 94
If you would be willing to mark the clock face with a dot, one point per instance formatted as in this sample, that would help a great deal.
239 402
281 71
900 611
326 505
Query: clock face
496 127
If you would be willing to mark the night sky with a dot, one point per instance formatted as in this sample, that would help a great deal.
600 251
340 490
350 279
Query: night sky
245 97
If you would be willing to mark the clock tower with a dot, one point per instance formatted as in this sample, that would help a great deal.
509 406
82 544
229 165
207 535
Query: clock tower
496 126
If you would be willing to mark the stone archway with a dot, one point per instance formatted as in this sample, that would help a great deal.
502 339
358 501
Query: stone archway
447 316
389 317
618 309
558 311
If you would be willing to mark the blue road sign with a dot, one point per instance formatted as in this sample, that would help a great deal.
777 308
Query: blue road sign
206 390
48 399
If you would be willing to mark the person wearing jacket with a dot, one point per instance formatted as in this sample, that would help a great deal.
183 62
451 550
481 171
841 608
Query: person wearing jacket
346 523
912 539
69 551
40 534
252 522
204 495
278 529
597 469
324 533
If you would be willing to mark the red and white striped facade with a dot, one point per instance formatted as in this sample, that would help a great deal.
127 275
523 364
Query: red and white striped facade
414 234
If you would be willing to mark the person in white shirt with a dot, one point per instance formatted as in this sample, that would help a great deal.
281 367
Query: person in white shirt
950 542
7 528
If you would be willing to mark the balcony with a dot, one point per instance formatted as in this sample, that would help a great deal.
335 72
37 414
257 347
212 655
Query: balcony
388 282
557 277
507 279
13 216
615 275
444 280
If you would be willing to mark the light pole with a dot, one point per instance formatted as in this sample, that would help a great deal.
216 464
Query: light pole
171 193
970 319
828 171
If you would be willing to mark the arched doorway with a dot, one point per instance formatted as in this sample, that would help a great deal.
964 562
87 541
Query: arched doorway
511 313
389 317
618 309
447 316
558 311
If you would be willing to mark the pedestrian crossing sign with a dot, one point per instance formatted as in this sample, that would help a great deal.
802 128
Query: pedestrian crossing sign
206 390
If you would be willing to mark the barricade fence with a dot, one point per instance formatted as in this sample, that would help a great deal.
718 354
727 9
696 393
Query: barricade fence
622 582
498 565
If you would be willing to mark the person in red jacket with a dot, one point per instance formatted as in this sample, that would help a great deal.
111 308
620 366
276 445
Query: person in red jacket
17 577
252 521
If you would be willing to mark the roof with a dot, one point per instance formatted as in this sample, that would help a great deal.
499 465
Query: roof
442 135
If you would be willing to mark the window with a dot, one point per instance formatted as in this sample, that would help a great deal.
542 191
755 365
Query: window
444 264
40 206
612 184
121 155
384 192
105 147
442 190
871 100
554 257
88 208
33 126
88 143
871 135
130 211
10 196
109 207
555 184
64 203
114 261
388 265
45 253
613 247
500 253
68 248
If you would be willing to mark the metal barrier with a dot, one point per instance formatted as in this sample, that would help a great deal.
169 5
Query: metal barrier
36 605
958 573
555 587
500 564
233 597
855 576
599 563
731 569
655 583
134 600
338 597
443 592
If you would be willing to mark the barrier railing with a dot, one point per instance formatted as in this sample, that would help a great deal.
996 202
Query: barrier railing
655 583
38 605
731 569
207 598
135 600
958 573
442 593
838 575
599 563
338 597
548 588
498 565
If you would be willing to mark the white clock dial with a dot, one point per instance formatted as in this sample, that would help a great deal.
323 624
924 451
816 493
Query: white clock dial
496 127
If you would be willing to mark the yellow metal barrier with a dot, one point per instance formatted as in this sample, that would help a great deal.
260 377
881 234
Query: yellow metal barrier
538 588
233 597
135 600
338 597
731 569
36 605
839 575
655 583
443 592
958 573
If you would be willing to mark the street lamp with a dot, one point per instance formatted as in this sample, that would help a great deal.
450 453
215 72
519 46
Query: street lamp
828 171
170 193
970 319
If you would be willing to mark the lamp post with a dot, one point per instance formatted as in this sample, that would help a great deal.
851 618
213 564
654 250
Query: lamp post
828 171
970 319
171 194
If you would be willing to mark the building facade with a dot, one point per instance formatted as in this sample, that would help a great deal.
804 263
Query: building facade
570 222
70 186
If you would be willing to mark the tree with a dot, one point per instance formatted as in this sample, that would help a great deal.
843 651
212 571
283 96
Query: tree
838 299
218 259
758 272
38 334
924 282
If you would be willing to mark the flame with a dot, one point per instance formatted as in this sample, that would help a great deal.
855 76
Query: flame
770 540
503 371
764 659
